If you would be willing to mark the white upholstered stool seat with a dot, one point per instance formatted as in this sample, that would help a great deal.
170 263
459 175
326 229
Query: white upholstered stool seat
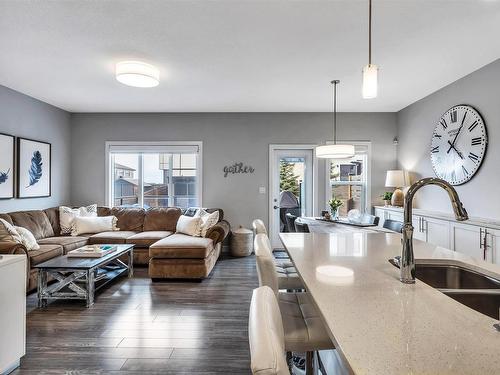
303 327
288 278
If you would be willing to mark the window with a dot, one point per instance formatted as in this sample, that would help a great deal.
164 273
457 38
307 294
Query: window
348 180
154 174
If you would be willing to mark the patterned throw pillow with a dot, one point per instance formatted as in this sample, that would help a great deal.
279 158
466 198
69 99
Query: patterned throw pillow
207 220
84 225
68 214
8 233
28 240
189 225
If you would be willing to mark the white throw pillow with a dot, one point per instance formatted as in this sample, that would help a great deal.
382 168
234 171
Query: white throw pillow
68 214
28 240
97 224
207 220
189 225
8 233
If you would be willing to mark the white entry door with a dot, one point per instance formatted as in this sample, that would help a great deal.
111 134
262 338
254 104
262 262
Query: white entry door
291 187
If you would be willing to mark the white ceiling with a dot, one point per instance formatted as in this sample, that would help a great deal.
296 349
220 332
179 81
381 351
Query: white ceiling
241 56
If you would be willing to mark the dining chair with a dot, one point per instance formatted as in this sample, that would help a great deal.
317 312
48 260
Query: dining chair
286 275
290 222
303 327
394 225
301 227
266 335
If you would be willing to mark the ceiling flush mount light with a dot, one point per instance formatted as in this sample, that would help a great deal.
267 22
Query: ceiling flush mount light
370 71
335 151
137 74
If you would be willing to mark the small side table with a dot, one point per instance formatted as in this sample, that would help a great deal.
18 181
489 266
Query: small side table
241 242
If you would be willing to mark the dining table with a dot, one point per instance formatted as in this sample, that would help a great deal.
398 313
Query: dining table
380 325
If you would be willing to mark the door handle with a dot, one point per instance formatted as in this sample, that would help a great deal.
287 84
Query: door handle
275 207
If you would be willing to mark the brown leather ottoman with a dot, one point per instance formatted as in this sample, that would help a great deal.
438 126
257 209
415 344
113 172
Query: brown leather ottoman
180 256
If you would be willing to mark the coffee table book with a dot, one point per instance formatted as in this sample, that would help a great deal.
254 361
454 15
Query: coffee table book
91 251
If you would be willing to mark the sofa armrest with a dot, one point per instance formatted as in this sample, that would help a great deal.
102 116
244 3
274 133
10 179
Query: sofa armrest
219 231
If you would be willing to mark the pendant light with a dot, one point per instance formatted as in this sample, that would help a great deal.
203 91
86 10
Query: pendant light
335 151
370 71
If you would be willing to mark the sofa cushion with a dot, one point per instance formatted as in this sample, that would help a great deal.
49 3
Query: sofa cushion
146 239
35 221
67 242
111 237
181 246
129 219
161 219
53 216
103 211
46 252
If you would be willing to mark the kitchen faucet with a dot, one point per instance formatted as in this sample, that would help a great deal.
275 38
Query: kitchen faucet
407 261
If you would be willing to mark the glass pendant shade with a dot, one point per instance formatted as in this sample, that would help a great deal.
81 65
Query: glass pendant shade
370 81
137 74
335 151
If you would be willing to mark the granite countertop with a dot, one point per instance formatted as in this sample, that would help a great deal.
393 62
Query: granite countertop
382 326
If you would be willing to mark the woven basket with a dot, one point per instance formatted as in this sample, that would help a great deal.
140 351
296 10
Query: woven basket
241 242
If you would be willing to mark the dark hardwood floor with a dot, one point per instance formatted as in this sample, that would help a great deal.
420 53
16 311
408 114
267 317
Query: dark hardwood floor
140 327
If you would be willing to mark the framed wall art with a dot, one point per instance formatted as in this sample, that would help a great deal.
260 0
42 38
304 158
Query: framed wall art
6 166
33 168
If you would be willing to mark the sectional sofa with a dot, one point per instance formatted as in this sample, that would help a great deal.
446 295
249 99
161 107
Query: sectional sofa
168 254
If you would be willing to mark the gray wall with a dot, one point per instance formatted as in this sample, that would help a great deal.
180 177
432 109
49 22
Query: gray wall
227 138
23 116
416 124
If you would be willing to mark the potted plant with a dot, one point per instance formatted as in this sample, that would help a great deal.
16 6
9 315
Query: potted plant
386 197
334 204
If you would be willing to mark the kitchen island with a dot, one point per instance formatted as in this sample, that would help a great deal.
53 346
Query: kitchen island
382 326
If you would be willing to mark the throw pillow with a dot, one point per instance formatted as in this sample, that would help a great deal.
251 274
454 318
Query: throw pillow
68 214
207 220
98 224
8 233
27 239
189 225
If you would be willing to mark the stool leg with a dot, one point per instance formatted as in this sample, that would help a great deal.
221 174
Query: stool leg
309 363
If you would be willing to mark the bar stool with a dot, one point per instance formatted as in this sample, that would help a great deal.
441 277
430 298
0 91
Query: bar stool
266 335
303 327
286 274
259 226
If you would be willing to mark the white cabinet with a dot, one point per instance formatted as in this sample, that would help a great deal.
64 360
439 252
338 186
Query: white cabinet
476 241
468 239
12 311
434 231
437 231
418 228
493 245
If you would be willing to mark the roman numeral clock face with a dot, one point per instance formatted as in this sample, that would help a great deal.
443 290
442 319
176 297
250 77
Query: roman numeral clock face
458 144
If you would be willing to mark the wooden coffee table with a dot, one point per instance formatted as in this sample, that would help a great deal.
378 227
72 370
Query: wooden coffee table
79 278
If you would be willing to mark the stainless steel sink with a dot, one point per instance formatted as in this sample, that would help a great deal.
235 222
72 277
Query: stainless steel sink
475 290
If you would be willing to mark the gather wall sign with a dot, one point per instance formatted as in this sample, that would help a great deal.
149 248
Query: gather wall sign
237 168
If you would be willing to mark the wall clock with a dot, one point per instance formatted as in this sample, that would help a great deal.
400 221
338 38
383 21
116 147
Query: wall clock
458 144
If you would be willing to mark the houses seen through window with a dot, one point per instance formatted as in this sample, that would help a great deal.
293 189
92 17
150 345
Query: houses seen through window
348 182
154 179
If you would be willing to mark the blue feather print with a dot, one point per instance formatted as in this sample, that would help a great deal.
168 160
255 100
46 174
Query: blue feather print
4 176
35 171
